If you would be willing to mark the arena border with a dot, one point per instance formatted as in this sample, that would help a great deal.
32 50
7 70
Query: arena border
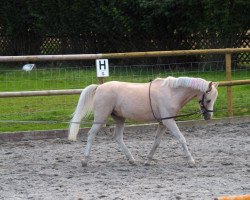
54 134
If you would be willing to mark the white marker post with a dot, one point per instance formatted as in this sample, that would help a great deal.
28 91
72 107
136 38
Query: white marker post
102 69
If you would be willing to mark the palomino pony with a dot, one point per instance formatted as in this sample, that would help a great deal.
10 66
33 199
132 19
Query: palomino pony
158 100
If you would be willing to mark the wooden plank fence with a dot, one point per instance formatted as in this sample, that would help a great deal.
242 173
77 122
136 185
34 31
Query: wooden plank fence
35 58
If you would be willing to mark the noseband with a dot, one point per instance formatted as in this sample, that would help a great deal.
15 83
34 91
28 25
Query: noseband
202 105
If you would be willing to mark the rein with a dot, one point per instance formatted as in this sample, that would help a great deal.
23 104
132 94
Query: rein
203 107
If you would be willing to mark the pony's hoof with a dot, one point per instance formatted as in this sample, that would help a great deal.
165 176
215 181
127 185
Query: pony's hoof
147 163
132 162
84 163
191 163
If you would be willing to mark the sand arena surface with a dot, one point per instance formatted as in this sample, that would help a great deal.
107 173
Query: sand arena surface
51 169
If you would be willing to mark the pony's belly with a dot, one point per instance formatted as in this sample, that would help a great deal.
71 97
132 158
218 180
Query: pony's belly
135 114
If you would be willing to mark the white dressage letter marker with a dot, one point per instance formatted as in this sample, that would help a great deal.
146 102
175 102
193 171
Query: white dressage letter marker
102 67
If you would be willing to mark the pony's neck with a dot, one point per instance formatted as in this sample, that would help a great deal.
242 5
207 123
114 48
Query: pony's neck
185 95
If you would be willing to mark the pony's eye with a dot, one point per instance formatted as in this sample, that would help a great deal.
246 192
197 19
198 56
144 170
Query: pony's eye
208 101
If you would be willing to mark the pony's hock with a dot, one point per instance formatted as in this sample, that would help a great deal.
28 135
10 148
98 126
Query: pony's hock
159 100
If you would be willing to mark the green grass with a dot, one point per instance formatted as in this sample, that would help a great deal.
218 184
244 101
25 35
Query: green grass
60 108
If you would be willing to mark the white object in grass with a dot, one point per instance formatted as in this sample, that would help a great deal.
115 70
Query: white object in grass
28 67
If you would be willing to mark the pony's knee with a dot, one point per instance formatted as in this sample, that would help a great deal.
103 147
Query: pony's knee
118 135
180 138
118 139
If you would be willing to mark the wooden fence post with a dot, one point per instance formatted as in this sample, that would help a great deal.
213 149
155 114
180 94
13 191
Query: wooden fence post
228 58
101 80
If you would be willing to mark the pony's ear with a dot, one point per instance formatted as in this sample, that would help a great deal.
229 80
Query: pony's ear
216 84
210 87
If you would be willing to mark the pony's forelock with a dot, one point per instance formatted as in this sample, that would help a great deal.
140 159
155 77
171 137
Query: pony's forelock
195 83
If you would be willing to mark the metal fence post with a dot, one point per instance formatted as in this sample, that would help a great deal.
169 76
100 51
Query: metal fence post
228 58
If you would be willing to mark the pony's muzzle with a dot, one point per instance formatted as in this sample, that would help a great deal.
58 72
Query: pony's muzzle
207 116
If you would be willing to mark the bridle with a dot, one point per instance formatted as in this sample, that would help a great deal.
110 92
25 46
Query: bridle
203 110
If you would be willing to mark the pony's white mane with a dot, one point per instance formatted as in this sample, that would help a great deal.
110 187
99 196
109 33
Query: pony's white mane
195 83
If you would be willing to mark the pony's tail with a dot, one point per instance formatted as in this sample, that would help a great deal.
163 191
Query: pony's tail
84 106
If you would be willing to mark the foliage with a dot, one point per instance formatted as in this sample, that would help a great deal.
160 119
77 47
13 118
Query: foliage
129 24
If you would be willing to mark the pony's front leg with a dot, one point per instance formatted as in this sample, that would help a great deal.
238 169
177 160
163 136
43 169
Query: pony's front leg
159 132
91 136
171 124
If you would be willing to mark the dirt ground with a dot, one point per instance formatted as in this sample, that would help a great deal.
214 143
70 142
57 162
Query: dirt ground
51 169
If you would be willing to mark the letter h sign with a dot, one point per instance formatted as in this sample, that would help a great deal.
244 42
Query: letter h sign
102 67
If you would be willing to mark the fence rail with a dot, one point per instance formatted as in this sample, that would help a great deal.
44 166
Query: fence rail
37 58
78 91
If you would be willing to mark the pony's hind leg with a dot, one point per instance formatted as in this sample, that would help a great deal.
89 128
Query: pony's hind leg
101 113
174 130
91 136
159 132
118 135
